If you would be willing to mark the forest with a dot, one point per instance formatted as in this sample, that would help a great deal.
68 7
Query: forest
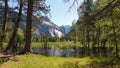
93 41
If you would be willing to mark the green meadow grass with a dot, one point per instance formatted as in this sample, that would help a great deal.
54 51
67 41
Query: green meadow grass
38 61
55 44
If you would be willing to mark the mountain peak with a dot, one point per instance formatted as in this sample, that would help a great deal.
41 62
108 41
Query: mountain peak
47 27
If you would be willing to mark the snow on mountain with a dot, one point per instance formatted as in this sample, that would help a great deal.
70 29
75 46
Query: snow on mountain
66 29
45 27
48 28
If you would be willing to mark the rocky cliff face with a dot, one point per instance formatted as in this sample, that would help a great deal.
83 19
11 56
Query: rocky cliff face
48 28
45 27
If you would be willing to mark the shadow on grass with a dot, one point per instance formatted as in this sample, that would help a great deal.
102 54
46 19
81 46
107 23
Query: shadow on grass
5 59
72 65
94 63
105 63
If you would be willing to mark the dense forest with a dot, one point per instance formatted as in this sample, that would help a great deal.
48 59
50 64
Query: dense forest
94 37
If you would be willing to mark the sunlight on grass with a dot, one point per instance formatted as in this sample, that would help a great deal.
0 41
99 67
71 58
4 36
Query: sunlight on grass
38 61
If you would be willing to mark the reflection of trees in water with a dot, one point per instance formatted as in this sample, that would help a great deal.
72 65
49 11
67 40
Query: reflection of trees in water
75 51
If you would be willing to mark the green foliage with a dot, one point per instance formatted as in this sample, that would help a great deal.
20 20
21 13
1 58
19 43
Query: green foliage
56 44
53 39
8 31
101 3
75 34
7 36
20 35
38 45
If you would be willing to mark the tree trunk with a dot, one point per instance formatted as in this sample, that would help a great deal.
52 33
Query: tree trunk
28 41
93 42
5 16
4 23
104 47
12 39
87 41
115 40
98 41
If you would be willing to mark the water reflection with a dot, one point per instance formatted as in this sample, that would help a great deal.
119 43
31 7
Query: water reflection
74 52
54 52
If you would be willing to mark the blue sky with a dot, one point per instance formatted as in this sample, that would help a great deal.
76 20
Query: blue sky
59 11
60 14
